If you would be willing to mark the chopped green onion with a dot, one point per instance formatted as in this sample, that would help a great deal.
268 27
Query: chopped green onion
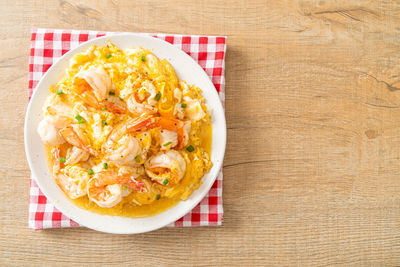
60 92
137 159
90 172
158 96
108 55
104 108
120 98
104 122
183 105
79 119
143 58
190 148
124 187
111 93
165 182
158 196
105 165
62 159
168 143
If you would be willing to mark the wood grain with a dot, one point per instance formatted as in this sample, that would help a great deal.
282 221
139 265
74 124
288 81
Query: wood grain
312 169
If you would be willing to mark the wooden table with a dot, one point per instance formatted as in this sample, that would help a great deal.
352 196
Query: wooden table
312 169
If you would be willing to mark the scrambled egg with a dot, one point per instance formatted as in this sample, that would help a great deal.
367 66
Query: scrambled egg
125 136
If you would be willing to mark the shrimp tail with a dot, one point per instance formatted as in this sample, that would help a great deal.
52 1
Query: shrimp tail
137 98
113 107
72 137
106 178
142 122
56 159
89 99
148 122
135 185
96 191
173 125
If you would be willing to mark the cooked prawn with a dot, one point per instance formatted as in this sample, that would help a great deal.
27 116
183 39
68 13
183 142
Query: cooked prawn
55 106
71 179
182 128
166 167
105 188
75 155
193 110
136 102
74 135
178 111
168 139
121 147
98 79
93 85
112 104
49 126
147 92
55 154
49 133
137 107
123 151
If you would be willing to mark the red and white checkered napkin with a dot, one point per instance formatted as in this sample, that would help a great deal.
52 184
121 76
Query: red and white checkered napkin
48 45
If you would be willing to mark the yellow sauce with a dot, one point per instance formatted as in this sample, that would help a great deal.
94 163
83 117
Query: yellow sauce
126 208
161 73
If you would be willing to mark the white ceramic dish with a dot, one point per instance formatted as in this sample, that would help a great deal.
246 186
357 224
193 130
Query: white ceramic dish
186 69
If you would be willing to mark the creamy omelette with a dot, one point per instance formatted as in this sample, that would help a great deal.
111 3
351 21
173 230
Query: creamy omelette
124 135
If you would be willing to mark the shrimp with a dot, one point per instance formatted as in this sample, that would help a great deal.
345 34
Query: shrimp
112 104
148 92
98 79
56 107
125 150
194 111
178 94
182 128
55 153
59 121
121 147
145 139
136 103
166 167
105 188
75 155
75 136
168 139
93 85
137 107
134 172
49 126
153 66
178 111
73 181
49 133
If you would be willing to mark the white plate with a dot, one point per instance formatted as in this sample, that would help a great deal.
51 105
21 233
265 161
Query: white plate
186 69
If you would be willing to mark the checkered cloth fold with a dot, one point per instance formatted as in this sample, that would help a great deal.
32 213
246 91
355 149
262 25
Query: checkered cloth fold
48 45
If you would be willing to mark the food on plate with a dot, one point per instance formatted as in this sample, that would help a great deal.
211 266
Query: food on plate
124 135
